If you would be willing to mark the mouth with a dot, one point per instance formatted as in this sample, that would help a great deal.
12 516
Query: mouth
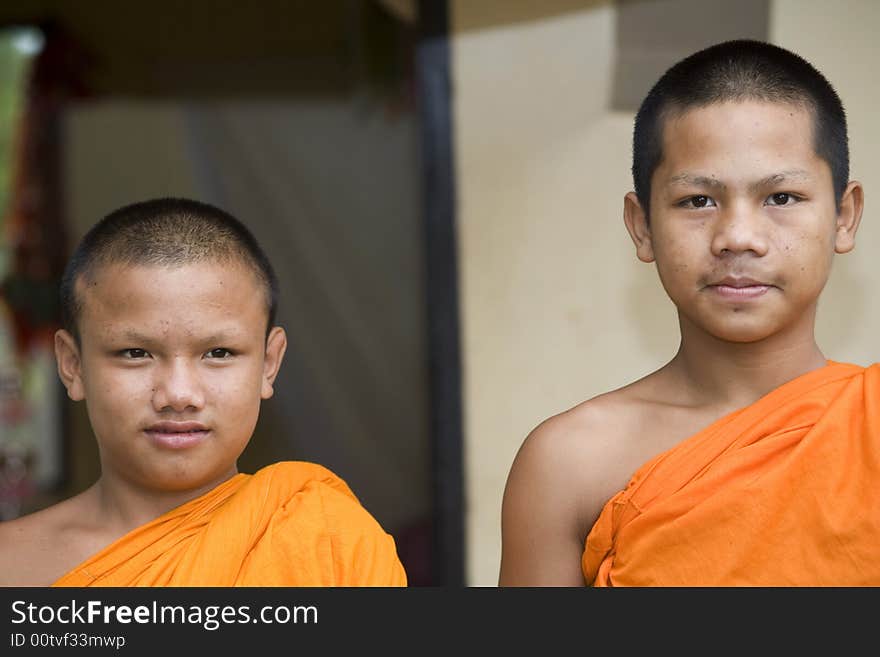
739 288
177 435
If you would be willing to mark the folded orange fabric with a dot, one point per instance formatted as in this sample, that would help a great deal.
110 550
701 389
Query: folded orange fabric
290 524
785 492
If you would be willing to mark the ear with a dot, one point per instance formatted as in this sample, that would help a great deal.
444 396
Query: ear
852 202
637 225
69 362
276 345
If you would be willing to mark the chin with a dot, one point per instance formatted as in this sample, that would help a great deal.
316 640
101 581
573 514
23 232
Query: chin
743 334
176 479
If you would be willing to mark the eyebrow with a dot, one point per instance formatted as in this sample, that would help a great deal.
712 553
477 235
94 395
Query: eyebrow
781 177
134 336
690 179
220 338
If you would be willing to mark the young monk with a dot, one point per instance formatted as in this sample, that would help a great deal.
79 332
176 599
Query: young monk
170 340
749 459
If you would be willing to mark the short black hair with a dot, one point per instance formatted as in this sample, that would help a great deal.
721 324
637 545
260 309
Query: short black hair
742 69
165 232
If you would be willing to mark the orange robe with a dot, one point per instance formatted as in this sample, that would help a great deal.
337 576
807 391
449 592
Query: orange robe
290 524
784 492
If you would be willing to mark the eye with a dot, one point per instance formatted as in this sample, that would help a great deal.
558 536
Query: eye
782 198
698 201
134 354
219 354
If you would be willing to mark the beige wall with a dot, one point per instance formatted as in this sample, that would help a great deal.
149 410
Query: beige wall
555 307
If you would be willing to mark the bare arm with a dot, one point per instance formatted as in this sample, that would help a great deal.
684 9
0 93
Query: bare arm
544 520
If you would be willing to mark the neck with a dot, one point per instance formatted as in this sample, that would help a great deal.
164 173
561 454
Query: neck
122 505
734 374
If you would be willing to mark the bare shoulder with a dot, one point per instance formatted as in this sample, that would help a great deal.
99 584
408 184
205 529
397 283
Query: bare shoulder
20 540
35 549
587 453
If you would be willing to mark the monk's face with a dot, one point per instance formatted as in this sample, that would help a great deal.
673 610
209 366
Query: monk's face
173 364
743 224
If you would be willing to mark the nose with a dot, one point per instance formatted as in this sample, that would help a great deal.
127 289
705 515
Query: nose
177 387
740 229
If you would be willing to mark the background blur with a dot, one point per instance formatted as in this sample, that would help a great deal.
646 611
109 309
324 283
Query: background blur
440 187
